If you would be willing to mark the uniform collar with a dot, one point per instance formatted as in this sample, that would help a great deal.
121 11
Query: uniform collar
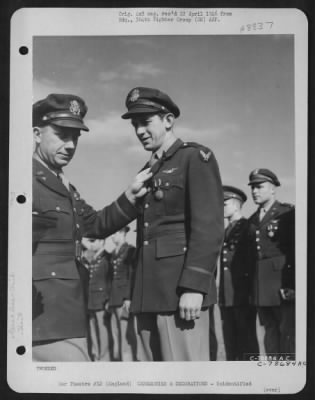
48 178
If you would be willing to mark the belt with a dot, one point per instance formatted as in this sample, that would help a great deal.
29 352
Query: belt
167 230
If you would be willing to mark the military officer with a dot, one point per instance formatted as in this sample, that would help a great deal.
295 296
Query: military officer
238 316
121 266
59 279
179 235
272 248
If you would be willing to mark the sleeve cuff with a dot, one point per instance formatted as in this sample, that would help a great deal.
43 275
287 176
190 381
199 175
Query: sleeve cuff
196 279
125 207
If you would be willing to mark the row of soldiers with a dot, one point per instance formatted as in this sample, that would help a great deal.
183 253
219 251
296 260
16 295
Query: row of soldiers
179 204
257 271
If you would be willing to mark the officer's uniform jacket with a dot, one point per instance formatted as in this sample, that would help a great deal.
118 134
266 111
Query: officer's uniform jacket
98 282
59 279
120 274
272 251
180 230
234 288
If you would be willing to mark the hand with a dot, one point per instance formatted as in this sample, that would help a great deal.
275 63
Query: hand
190 305
287 294
126 305
137 188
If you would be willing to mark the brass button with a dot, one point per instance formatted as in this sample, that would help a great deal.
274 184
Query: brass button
146 224
146 205
58 208
78 226
53 274
225 268
74 209
145 242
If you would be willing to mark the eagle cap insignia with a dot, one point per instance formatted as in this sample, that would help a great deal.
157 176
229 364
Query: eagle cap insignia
256 171
134 95
205 156
74 107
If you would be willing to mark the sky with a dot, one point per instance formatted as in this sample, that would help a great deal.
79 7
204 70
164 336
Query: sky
235 94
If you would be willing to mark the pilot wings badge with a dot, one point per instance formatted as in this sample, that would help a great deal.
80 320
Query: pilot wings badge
170 171
205 156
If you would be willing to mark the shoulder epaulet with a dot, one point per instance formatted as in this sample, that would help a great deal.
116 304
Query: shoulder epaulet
288 205
204 152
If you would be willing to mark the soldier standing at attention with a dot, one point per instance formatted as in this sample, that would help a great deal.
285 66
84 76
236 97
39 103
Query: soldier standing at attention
121 268
272 248
179 236
59 278
95 259
238 316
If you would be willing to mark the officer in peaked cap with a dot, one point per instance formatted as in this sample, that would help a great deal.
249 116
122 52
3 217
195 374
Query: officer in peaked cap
238 315
272 249
179 235
263 175
60 218
142 100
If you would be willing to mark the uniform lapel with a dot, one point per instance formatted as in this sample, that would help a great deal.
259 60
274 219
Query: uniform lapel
270 214
49 179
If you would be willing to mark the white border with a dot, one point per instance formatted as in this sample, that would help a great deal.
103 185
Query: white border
23 374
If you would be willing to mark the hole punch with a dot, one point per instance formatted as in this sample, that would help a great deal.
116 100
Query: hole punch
21 199
23 50
21 350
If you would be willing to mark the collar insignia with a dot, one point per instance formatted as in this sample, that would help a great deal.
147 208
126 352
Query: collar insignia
74 107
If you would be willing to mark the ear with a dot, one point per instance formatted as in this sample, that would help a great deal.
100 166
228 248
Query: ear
37 133
169 119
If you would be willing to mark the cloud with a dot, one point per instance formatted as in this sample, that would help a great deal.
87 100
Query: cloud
110 130
42 88
209 134
130 71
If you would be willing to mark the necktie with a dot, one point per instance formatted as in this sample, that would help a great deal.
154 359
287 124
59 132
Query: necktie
262 213
154 158
64 180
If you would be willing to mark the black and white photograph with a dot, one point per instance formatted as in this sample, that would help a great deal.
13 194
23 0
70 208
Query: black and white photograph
163 201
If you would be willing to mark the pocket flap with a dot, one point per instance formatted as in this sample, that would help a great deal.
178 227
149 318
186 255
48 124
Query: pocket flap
170 246
60 267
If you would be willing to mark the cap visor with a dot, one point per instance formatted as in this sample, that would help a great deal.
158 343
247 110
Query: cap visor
70 123
259 180
140 110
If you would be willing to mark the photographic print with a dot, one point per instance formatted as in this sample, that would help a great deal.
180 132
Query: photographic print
162 209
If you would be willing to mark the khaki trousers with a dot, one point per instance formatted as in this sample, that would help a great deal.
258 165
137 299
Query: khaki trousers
167 337
73 349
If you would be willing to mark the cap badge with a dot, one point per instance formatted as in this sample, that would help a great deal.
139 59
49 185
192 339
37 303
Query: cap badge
134 96
205 156
74 107
255 172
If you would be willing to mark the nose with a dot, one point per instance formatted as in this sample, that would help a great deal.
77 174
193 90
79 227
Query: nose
140 130
71 143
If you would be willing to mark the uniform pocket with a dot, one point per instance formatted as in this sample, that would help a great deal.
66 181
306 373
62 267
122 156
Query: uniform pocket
56 267
170 246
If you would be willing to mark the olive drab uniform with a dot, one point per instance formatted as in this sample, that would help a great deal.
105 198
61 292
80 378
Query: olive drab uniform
238 315
180 230
272 250
59 278
179 236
